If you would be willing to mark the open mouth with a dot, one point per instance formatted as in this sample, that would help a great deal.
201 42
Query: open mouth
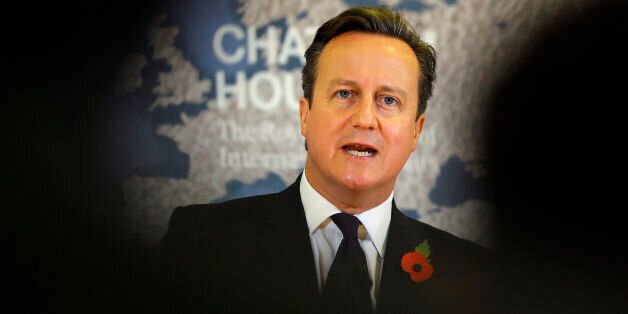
359 150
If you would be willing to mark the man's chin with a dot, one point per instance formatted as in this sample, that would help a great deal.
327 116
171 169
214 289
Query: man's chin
358 183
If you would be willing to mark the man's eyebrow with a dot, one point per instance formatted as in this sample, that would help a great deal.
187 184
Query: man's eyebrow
396 90
340 81
385 88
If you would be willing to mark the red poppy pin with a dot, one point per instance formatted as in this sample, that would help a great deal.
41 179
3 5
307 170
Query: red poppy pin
417 263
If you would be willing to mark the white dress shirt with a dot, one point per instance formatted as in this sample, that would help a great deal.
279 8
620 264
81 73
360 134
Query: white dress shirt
325 236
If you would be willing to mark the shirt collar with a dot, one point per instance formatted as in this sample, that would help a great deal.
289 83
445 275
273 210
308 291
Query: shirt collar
317 209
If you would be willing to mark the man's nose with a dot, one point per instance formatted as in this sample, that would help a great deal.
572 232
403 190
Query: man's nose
365 115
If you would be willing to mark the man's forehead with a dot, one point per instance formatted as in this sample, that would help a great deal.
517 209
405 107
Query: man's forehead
355 46
352 57
369 40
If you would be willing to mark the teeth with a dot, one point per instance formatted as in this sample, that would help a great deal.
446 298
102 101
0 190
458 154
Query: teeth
360 154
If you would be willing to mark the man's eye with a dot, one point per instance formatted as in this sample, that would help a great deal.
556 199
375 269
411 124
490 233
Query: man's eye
344 94
390 101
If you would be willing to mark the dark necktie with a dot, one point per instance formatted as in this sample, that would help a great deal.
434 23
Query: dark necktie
348 285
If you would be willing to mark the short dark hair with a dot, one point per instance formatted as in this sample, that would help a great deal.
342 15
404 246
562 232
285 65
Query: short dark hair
377 20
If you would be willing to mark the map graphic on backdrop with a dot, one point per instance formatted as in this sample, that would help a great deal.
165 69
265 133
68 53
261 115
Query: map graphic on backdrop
207 106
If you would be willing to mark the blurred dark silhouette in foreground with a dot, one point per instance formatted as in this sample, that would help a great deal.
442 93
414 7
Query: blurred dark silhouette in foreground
69 250
556 143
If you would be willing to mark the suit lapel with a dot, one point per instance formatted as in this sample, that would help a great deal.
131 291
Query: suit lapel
399 294
283 240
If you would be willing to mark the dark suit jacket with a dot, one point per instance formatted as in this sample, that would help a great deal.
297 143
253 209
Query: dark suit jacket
254 255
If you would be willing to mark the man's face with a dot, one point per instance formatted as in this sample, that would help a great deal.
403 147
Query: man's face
361 127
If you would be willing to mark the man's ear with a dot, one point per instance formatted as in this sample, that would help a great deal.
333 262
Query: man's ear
304 110
418 129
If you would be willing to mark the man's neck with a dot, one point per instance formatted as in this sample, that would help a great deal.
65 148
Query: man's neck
348 201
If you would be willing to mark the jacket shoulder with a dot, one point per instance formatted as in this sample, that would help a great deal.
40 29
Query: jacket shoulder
453 248
219 213
201 225
478 278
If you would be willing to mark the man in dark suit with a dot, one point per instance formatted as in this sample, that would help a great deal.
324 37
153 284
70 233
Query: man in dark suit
334 241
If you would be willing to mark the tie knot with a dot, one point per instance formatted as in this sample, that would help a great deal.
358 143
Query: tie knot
348 224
